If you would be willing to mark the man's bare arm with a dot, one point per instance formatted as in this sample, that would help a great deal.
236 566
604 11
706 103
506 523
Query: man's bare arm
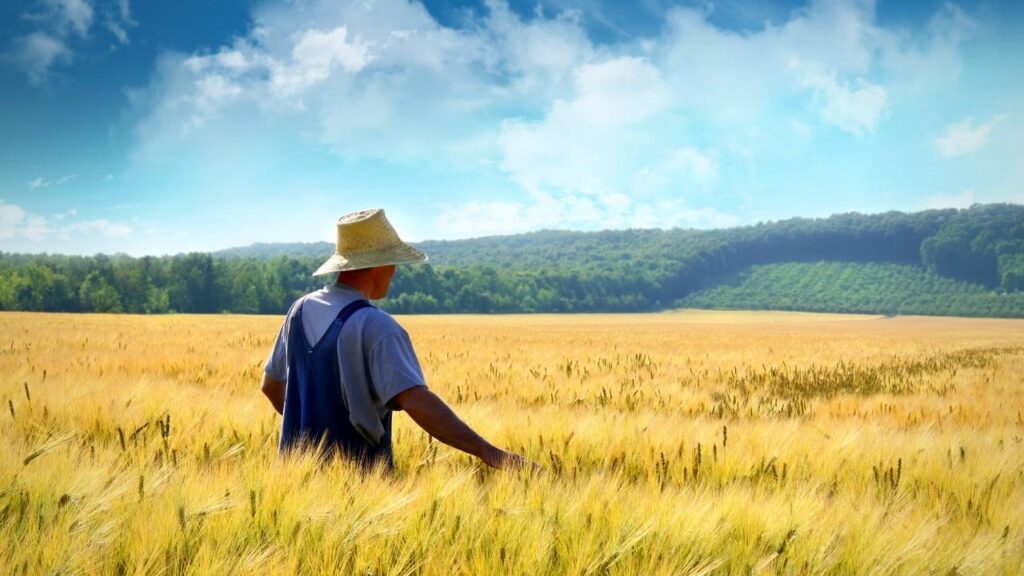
274 390
438 420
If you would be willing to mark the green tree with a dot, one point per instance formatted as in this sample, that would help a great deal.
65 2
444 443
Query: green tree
99 296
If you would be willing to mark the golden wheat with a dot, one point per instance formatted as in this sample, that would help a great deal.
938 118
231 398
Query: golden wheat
682 443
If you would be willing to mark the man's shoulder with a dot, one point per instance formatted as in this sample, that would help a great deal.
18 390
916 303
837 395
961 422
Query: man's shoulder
380 322
297 303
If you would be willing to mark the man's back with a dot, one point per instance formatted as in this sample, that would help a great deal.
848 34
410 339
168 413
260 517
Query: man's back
341 371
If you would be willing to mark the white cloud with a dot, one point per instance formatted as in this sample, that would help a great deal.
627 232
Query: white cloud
35 228
856 110
11 217
687 165
63 27
481 218
61 216
738 77
15 222
119 20
57 22
64 17
580 212
380 80
962 200
100 226
831 59
592 142
212 92
35 53
76 14
539 56
313 58
615 134
964 137
40 182
353 67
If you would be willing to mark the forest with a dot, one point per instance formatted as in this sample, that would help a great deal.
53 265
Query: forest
942 262
854 287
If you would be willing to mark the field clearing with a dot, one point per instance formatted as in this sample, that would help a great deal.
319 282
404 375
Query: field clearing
691 442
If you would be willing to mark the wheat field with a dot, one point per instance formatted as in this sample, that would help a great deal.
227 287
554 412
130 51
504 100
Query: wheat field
676 443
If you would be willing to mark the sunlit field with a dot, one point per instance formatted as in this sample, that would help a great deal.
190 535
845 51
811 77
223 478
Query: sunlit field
676 443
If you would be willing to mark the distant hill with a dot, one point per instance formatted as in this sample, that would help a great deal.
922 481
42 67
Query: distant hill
448 252
274 249
959 262
853 287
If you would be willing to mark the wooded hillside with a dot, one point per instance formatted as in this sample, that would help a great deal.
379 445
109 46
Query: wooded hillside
980 251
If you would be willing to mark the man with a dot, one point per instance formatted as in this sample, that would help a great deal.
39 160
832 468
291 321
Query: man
341 366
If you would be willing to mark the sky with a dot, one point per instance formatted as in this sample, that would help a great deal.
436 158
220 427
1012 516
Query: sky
150 127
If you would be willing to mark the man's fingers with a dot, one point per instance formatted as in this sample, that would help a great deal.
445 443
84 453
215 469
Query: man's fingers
512 461
505 460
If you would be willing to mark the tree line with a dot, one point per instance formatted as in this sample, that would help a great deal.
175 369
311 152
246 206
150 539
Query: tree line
854 287
981 248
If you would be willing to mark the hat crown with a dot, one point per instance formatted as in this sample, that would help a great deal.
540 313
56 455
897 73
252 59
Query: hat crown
367 240
365 231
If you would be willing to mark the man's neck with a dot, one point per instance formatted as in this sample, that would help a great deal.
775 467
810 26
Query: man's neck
354 285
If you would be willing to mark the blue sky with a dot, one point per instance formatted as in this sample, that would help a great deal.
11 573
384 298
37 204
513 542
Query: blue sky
163 127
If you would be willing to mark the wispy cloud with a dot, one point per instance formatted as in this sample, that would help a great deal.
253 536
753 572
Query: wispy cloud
62 27
962 200
17 223
36 53
40 182
118 21
965 137
855 108
480 218
100 226
679 169
63 17
58 23
70 213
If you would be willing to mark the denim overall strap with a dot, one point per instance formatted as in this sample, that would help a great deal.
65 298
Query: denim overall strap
314 407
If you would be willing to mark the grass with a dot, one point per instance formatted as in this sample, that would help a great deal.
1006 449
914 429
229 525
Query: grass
689 443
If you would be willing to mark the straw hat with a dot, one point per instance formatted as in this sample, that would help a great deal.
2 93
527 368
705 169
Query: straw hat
367 240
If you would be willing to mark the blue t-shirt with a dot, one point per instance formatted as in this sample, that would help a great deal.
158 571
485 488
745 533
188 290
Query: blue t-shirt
376 359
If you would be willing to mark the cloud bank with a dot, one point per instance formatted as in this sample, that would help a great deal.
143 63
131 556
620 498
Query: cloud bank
16 223
562 132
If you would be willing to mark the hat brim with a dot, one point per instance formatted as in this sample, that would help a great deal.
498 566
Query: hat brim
399 254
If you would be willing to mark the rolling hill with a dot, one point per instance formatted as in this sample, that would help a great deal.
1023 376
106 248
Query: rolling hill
959 262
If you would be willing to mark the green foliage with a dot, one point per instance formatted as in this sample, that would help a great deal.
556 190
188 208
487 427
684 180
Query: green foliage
976 249
867 288
1011 272
97 295
157 301
551 271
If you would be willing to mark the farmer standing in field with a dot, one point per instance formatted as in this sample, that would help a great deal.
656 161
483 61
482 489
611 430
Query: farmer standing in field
340 366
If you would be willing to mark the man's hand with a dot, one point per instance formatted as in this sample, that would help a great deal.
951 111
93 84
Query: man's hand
438 420
274 390
504 460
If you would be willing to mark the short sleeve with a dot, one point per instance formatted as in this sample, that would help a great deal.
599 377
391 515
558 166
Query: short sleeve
276 365
394 367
